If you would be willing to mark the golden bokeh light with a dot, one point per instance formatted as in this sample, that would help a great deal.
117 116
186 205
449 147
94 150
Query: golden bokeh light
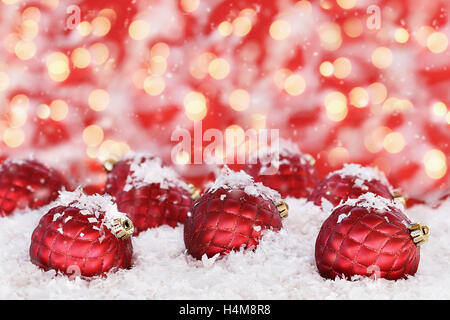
258 121
100 26
374 142
199 65
13 137
189 5
359 97
225 28
305 6
58 66
338 156
280 29
437 42
239 100
98 99
182 157
158 65
218 68
58 110
353 27
294 85
401 35
382 57
330 36
336 106
394 142
435 163
139 30
326 69
25 50
346 4
84 28
195 105
377 92
280 77
43 111
31 13
112 150
439 109
81 58
342 68
160 49
99 53
154 85
93 135
242 26
29 29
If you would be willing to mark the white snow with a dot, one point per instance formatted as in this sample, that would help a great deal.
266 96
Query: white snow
362 174
149 171
229 179
282 267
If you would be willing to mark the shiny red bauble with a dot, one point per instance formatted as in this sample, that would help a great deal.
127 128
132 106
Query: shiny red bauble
350 182
228 218
77 242
365 238
27 184
291 173
149 192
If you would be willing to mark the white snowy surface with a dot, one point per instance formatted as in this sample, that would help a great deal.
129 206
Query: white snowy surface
282 267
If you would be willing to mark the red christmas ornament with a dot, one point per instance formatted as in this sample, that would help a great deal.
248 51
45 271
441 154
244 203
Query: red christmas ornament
83 236
369 236
232 214
286 170
151 194
27 184
351 182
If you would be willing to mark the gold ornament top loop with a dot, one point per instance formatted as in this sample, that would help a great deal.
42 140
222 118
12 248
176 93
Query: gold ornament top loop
122 228
397 194
195 192
283 208
419 233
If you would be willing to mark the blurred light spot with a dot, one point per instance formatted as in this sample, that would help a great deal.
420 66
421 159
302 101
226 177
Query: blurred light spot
51 4
342 67
112 150
437 42
154 85
108 13
258 121
91 152
280 77
435 163
100 26
330 36
346 4
326 69
401 35
4 81
58 66
25 50
225 28
195 105
422 33
31 13
353 27
158 65
13 137
218 68
160 49
325 4
377 92
239 100
241 26
29 29
305 6
189 5
394 142
99 53
382 57
393 104
439 109
295 85
199 66
81 58
338 156
19 100
359 97
280 29
139 29
93 135
374 142
84 28
43 111
98 99
58 110
336 106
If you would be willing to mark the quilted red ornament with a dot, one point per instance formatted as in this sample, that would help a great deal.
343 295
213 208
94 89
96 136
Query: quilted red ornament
27 184
351 182
151 194
232 214
83 236
284 169
369 236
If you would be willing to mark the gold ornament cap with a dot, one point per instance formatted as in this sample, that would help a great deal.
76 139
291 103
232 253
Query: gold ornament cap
195 192
397 194
310 159
419 233
122 228
283 208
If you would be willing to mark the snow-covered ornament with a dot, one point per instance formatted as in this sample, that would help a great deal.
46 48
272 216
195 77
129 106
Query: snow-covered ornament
150 193
350 182
27 184
82 236
284 169
232 214
369 236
